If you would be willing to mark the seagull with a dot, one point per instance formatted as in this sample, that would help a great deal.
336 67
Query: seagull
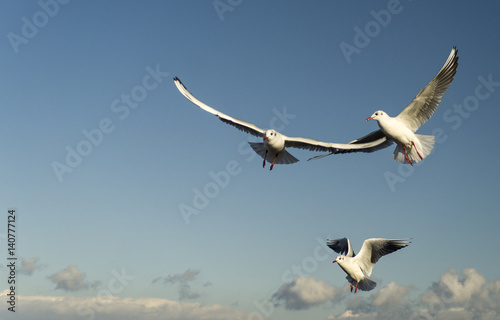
411 148
272 148
359 267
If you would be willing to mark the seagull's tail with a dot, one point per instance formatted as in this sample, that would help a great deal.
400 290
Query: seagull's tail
366 284
423 147
283 157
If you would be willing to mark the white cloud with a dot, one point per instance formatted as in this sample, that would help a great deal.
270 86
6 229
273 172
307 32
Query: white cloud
303 293
348 314
462 291
468 297
69 279
390 302
390 295
112 308
454 297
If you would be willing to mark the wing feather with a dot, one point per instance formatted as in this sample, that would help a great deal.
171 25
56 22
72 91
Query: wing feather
309 144
375 248
341 246
428 99
239 124
335 148
373 141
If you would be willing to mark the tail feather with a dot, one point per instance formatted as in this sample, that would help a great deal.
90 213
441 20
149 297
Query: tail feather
259 148
366 284
284 157
423 144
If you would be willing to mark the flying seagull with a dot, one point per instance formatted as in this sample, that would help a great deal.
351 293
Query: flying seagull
359 267
411 148
272 148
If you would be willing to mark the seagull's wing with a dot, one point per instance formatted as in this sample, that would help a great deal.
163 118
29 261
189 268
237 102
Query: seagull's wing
309 144
427 100
240 124
373 141
373 249
375 136
341 246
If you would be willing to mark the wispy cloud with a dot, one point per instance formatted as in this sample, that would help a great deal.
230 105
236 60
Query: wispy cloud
71 279
304 292
183 280
28 266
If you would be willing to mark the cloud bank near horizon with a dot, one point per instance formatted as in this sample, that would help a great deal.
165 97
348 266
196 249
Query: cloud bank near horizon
466 295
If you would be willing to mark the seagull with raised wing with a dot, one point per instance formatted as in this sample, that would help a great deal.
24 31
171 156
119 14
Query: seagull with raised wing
359 267
272 148
411 148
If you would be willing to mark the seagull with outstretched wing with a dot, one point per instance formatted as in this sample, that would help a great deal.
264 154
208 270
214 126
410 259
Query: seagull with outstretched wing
359 267
274 144
411 148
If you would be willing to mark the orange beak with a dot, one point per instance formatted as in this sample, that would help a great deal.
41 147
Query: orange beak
334 261
370 118
265 138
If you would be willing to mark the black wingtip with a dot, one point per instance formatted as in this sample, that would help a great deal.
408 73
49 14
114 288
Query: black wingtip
176 79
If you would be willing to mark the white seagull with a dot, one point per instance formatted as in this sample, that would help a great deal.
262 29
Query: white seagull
359 267
411 147
272 149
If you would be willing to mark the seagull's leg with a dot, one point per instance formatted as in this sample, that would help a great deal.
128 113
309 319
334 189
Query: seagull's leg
264 163
356 290
272 165
417 150
351 286
406 156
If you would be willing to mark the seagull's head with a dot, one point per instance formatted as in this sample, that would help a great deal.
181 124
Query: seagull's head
339 259
271 135
377 115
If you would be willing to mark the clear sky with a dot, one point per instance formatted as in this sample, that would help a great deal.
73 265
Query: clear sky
133 203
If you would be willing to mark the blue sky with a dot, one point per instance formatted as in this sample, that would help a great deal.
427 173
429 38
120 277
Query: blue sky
95 79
